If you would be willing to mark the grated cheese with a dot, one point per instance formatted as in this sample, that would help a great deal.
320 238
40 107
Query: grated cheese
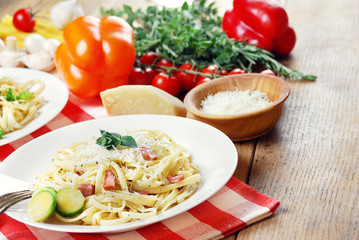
235 102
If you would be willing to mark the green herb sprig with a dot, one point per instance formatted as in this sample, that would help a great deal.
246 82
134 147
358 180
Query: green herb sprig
193 34
24 95
10 97
2 133
112 140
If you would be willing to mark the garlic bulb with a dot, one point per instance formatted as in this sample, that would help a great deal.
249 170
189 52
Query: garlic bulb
41 60
41 52
62 13
34 42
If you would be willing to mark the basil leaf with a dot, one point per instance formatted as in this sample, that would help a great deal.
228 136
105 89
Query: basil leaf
2 133
112 140
25 95
10 96
128 141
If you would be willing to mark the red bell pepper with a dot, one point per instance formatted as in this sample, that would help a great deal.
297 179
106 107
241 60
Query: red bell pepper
263 23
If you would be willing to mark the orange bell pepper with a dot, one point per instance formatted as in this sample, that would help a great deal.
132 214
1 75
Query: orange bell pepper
97 54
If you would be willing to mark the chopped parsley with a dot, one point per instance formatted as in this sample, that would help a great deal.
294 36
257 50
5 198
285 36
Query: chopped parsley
25 95
10 95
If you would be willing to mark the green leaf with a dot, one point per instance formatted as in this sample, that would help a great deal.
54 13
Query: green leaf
10 96
2 133
112 140
25 95
185 6
128 141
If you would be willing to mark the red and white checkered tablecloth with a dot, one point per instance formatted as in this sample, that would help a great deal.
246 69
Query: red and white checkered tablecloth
234 207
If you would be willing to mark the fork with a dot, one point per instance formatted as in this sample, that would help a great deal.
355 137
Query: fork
10 199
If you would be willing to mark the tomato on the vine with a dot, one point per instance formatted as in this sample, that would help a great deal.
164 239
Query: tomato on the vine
24 20
141 77
223 72
167 83
203 80
149 58
211 69
188 80
236 71
164 63
268 72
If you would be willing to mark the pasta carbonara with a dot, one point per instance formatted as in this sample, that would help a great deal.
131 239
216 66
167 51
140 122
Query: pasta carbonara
148 179
18 105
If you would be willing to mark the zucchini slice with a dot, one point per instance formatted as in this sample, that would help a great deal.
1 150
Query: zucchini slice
51 189
69 202
41 206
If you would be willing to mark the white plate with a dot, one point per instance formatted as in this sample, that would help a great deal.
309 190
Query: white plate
55 95
212 151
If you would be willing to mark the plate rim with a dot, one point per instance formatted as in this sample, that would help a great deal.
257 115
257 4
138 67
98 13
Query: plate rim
136 224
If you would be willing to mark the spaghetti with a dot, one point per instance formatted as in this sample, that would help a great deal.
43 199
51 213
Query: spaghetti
18 105
149 179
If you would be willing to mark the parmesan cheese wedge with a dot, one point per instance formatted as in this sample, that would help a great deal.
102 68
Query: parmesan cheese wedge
141 99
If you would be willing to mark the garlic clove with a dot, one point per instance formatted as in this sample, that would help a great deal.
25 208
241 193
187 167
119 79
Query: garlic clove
34 42
42 60
51 45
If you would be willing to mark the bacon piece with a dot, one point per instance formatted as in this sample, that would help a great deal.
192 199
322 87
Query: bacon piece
175 179
143 193
110 181
148 153
86 189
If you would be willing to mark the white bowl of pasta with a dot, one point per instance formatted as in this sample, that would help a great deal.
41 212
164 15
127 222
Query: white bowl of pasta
195 150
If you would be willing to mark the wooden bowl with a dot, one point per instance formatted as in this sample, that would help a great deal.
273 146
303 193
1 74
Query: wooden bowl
240 127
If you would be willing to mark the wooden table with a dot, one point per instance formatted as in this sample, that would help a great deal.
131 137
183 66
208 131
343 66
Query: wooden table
310 160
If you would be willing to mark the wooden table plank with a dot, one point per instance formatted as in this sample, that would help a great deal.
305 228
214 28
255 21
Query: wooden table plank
310 161
245 158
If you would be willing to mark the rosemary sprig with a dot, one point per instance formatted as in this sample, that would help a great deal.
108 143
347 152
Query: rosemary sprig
193 34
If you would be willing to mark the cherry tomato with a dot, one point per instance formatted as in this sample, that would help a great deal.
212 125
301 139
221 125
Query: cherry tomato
223 72
141 77
150 73
149 58
211 69
165 63
188 80
236 71
203 80
24 20
167 83
268 72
